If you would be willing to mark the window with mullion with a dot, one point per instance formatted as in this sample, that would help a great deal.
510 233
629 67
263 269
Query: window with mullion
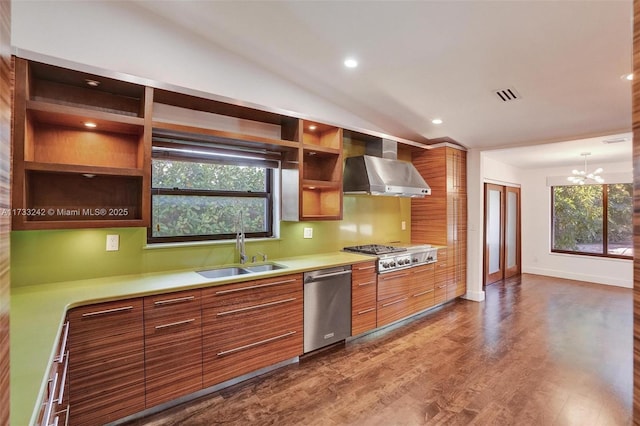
592 220
198 199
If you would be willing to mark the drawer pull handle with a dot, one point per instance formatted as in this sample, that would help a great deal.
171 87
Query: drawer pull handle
362 268
63 346
255 286
394 302
442 286
173 324
64 380
249 308
365 311
423 293
367 283
52 384
177 300
251 345
107 311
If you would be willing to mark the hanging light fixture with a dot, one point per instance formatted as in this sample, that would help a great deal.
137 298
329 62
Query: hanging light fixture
582 177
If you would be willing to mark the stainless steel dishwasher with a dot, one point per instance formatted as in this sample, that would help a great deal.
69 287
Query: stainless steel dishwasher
327 307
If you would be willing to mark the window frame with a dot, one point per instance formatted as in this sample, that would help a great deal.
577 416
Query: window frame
605 221
268 195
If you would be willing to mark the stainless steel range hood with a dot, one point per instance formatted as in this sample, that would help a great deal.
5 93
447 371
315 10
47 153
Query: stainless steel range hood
381 173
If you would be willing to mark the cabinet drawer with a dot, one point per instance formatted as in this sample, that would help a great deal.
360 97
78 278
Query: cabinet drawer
423 299
160 309
440 293
227 362
229 326
393 285
173 346
391 310
251 292
363 318
104 320
363 271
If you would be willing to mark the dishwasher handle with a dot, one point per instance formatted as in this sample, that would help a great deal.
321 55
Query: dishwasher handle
330 274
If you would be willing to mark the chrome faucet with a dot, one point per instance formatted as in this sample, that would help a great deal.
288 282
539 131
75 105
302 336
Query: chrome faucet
240 237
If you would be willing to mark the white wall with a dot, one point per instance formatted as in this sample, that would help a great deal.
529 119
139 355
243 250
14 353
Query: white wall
536 235
122 37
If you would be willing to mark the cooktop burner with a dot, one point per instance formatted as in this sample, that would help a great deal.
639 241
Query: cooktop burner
375 249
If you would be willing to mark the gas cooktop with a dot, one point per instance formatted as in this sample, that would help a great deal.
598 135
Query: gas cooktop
375 249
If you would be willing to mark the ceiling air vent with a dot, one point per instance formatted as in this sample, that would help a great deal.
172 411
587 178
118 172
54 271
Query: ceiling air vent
508 94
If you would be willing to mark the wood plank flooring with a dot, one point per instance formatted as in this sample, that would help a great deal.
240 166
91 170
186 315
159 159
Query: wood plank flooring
538 351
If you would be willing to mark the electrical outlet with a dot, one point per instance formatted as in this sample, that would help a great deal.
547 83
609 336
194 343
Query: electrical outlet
403 225
113 242
308 232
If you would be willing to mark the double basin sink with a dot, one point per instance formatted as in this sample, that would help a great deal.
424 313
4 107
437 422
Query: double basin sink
233 271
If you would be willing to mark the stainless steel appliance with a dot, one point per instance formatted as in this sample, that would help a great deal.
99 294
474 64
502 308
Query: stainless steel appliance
379 172
327 307
393 258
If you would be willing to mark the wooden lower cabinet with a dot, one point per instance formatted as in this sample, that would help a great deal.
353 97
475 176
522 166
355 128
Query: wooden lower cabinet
173 346
250 325
363 297
106 362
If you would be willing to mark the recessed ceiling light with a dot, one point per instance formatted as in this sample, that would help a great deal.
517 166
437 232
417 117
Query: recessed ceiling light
92 83
90 124
312 127
436 121
628 77
350 63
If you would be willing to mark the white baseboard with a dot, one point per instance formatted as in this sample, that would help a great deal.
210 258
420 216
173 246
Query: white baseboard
476 296
606 280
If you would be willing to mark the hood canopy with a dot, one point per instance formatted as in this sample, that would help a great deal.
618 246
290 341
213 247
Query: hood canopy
367 174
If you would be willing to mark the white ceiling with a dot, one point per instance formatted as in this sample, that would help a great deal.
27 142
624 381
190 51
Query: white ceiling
425 59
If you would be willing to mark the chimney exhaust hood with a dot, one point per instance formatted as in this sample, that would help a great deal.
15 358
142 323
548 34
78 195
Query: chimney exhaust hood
381 173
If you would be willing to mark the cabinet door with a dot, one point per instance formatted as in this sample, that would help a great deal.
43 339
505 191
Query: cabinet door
250 325
106 362
173 346
363 297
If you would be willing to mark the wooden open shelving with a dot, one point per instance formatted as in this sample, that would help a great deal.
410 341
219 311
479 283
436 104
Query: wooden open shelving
67 174
320 165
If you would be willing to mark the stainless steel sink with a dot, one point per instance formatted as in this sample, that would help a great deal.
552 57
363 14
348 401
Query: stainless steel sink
232 271
264 267
223 272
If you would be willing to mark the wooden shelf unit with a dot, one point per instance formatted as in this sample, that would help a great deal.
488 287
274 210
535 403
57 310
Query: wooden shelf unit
65 174
316 183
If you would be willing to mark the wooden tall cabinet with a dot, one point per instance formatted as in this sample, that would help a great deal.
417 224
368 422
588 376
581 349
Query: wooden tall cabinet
441 218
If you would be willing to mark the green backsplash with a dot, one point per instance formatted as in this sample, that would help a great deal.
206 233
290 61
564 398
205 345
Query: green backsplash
39 257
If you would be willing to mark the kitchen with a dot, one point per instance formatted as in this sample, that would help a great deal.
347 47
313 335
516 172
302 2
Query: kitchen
52 249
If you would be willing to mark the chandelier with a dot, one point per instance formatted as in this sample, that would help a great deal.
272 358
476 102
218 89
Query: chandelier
582 177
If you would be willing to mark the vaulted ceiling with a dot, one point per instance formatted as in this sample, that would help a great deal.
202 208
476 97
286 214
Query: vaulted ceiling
420 60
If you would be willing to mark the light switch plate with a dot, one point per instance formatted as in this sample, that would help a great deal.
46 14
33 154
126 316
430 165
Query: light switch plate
308 232
403 225
113 242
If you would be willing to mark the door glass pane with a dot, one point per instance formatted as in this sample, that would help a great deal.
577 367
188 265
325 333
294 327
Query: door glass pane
512 223
493 231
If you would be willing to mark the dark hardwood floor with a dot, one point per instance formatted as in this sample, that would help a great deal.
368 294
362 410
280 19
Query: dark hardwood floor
538 351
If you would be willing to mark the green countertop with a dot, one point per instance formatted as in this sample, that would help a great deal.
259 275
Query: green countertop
38 314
